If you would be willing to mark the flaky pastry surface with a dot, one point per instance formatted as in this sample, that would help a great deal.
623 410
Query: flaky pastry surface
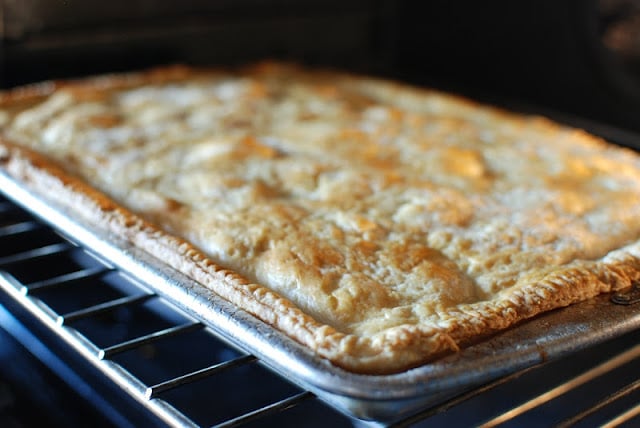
376 223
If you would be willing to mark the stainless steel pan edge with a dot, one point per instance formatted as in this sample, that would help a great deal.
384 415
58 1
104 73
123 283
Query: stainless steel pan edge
371 397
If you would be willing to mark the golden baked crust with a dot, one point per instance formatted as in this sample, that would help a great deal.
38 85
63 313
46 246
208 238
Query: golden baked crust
378 224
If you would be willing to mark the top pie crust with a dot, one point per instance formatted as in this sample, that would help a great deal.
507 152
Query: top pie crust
378 224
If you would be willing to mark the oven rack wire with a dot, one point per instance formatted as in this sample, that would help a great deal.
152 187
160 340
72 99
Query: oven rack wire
119 325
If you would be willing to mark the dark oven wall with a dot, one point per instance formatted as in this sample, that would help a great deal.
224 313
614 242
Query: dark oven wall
576 56
580 57
51 38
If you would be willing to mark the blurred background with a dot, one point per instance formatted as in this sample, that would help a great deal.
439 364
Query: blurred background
578 57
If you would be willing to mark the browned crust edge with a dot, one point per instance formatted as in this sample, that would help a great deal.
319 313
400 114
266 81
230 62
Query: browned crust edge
393 350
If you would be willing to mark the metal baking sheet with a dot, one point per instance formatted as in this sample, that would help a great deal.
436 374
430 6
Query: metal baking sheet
370 397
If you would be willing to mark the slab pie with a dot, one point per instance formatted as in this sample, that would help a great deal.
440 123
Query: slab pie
378 224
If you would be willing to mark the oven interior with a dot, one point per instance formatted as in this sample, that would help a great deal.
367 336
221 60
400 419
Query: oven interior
84 343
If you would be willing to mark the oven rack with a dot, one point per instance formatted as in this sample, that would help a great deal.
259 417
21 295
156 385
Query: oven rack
119 326
84 301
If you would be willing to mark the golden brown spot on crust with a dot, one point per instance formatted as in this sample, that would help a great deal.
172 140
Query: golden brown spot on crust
105 120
